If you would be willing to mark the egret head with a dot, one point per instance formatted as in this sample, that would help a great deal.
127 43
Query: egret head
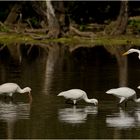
27 89
61 94
129 51
110 91
138 87
94 101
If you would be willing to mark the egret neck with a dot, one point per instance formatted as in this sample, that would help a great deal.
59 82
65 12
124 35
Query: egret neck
137 100
132 51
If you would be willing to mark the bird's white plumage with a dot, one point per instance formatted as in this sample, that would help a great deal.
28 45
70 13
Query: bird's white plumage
77 94
124 93
73 94
10 88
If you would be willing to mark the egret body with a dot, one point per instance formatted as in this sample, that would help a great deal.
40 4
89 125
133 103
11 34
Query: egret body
132 51
77 94
124 93
11 88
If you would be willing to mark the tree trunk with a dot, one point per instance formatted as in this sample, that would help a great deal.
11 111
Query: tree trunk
62 16
122 66
122 19
39 9
53 24
13 15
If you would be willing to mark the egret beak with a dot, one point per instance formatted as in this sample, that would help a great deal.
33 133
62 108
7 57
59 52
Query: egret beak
126 53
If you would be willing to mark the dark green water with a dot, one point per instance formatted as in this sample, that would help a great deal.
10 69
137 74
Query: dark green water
49 72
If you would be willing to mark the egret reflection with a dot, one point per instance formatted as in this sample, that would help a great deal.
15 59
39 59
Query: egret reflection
11 111
76 115
123 119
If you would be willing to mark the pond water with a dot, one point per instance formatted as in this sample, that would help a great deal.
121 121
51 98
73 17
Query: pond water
49 71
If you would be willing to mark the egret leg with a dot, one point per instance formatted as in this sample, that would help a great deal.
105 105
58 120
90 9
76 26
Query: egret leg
12 99
125 104
5 97
74 102
11 96
122 100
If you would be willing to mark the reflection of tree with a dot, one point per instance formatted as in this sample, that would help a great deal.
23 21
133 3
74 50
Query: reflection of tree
15 52
23 63
57 62
10 113
10 61
122 63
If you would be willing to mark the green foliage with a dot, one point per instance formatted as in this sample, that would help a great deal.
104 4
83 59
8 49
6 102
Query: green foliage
72 41
82 27
134 24
34 21
3 28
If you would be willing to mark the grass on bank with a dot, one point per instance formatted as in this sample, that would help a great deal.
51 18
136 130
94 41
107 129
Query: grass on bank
8 38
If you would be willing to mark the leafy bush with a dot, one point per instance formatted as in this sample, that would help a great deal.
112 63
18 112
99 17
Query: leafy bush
134 24
3 28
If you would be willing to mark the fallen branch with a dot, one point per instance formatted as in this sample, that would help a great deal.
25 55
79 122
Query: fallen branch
75 31
36 31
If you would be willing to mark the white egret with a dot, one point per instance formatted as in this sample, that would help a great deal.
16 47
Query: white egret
77 94
11 88
124 93
132 51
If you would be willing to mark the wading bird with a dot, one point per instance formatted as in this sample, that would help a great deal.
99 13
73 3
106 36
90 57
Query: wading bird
132 51
77 94
124 93
11 88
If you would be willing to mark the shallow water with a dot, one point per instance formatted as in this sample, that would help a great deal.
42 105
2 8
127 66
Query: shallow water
94 70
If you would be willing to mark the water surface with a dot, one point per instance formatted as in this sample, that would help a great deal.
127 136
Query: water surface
52 70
